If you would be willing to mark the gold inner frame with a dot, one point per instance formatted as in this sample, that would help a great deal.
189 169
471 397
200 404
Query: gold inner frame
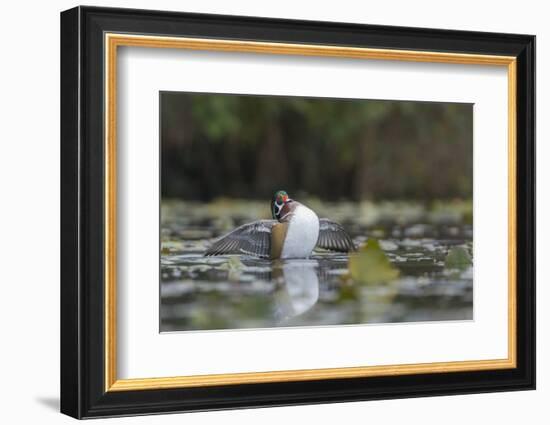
113 41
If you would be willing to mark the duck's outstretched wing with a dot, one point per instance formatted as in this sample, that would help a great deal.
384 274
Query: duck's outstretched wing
332 236
250 239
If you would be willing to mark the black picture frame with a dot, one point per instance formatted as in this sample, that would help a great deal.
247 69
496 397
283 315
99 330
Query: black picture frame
83 392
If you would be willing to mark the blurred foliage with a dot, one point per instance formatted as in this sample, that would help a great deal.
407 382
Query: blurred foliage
458 258
249 146
234 266
371 265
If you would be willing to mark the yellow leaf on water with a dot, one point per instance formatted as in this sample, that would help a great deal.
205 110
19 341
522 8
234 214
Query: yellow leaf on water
370 264
234 266
233 263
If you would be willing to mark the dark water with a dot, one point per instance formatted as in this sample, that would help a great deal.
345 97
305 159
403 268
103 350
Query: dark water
408 273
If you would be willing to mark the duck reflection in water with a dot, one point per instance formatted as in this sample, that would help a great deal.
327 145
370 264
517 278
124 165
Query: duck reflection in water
299 291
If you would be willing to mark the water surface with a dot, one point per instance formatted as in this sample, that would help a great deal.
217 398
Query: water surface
415 279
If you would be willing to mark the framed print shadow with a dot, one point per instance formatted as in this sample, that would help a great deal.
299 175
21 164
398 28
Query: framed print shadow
260 212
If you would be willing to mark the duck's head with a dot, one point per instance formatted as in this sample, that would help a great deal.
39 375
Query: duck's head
277 203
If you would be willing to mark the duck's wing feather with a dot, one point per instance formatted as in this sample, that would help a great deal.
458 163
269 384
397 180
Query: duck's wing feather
332 236
250 239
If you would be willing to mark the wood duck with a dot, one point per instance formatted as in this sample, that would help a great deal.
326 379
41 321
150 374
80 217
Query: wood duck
294 232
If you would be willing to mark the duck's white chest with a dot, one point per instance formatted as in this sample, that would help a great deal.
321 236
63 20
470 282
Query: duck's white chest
302 234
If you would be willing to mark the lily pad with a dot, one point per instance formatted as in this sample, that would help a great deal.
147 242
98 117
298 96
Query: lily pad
458 258
233 263
371 265
234 266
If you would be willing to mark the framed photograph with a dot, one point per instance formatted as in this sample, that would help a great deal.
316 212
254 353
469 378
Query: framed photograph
261 212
